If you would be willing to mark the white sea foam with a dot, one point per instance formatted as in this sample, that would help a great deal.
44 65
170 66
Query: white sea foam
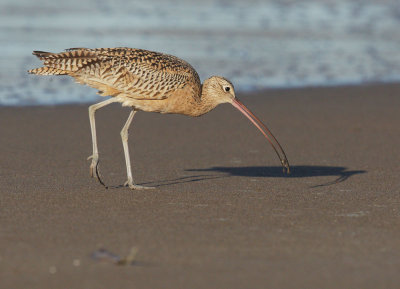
256 44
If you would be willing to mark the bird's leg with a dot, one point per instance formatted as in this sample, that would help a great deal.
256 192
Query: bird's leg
94 170
124 137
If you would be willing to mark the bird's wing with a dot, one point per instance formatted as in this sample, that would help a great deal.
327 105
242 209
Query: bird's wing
136 73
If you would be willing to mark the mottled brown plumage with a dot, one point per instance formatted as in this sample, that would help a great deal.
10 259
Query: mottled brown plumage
146 81
135 74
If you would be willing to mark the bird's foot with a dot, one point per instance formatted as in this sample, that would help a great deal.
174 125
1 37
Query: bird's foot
132 186
94 165
94 168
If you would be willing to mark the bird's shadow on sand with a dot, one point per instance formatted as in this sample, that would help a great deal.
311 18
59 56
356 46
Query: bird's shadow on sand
341 174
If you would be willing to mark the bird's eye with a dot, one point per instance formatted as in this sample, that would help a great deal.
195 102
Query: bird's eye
227 88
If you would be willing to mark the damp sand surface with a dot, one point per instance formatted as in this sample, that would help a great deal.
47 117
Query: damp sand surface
222 215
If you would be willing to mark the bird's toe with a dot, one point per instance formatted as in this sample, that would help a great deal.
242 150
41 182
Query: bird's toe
94 170
138 187
133 186
94 166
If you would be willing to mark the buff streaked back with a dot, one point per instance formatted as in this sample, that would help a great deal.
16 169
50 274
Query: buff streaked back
136 73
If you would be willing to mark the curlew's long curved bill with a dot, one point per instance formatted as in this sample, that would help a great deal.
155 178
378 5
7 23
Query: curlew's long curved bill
266 132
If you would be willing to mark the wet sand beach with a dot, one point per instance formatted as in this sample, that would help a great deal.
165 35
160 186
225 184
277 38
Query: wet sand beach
222 215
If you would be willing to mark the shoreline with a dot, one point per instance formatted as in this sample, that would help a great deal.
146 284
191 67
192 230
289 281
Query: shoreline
244 92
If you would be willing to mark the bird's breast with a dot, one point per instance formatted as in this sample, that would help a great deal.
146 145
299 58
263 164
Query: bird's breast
182 101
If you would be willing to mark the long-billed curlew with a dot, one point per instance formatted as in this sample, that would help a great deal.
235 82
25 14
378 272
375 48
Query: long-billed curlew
147 81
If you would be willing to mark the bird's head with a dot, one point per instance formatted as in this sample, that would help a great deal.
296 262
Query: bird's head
220 90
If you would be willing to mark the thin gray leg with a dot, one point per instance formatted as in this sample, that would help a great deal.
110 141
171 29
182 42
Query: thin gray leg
94 170
124 137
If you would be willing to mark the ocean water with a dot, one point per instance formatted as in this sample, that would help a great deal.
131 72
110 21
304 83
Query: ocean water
256 44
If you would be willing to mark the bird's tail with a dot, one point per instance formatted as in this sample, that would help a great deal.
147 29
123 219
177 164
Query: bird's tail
63 63
47 71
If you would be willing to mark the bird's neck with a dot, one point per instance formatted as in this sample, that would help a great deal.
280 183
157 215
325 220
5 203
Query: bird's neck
204 103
